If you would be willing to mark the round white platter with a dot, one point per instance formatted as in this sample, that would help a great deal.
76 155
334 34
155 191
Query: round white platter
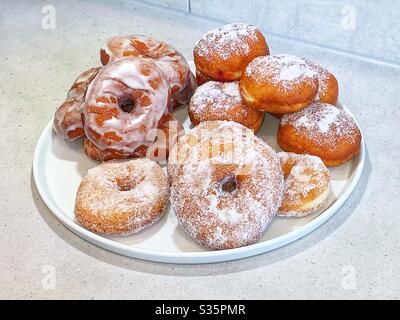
59 166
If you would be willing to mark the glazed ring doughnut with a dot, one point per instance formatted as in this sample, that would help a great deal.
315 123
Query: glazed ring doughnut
169 130
226 184
167 58
307 184
122 198
67 119
222 101
279 84
321 130
223 54
124 104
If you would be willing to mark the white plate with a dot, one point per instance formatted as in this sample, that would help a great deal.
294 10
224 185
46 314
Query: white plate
59 166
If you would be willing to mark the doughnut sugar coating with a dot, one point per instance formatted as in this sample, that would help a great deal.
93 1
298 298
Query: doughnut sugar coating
168 59
307 184
279 84
222 101
223 53
322 130
67 119
122 198
226 184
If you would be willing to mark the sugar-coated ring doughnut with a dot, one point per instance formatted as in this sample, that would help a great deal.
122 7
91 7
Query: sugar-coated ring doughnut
223 54
222 101
122 198
226 184
124 105
169 130
322 130
279 84
307 184
168 59
67 119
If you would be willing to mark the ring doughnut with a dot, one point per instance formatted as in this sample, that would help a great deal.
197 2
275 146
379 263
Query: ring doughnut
226 184
170 129
168 59
307 184
124 105
67 119
222 101
122 198
321 130
223 54
279 84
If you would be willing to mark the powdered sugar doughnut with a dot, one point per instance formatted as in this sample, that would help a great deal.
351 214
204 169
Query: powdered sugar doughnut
226 184
279 84
307 184
67 120
223 54
122 198
167 58
169 130
322 130
328 88
222 101
124 105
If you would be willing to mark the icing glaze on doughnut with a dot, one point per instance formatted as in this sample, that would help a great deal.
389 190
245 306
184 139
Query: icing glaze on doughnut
67 119
307 184
226 184
169 60
122 198
135 81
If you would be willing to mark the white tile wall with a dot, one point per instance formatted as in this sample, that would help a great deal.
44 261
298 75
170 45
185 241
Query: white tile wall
361 26
182 5
366 27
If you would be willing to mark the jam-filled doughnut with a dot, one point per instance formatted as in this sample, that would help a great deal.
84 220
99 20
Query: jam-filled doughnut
223 54
321 130
226 184
328 88
222 101
67 119
307 184
168 132
201 78
124 104
122 198
168 59
279 84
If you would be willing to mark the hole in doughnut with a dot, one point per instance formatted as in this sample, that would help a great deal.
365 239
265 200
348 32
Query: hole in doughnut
229 184
127 104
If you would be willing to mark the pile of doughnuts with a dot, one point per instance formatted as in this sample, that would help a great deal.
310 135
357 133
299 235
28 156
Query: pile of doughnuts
225 184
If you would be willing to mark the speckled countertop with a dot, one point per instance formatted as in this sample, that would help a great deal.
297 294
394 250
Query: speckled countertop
356 254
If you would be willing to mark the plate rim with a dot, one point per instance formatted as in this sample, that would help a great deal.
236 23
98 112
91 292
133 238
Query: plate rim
200 257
